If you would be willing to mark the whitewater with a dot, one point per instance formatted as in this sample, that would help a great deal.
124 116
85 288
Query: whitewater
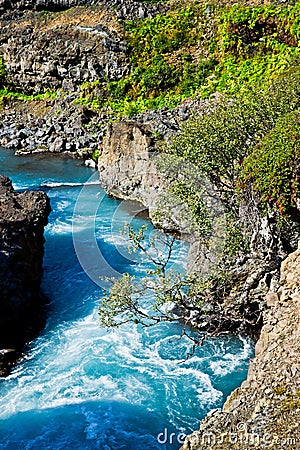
81 386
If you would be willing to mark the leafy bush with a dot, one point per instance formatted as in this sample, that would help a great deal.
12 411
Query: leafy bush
273 166
254 44
2 71
218 142
7 94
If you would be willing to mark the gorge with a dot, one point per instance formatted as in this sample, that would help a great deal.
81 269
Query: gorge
80 385
115 84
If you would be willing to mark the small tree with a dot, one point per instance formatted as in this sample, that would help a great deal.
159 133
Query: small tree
166 295
128 298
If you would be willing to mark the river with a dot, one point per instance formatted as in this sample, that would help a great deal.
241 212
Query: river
81 386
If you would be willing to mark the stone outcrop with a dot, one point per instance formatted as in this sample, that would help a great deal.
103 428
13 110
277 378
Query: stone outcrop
22 220
55 127
130 168
126 164
61 126
125 9
264 412
51 53
44 51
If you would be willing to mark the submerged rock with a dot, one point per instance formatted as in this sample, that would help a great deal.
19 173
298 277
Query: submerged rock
22 220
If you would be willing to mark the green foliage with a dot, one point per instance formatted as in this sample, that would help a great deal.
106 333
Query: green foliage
248 30
119 301
128 299
165 295
163 34
198 49
95 155
8 94
236 238
218 142
254 44
245 145
2 70
163 71
187 198
273 166
193 199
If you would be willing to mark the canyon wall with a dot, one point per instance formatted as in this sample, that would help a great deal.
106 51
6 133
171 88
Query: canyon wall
22 220
264 412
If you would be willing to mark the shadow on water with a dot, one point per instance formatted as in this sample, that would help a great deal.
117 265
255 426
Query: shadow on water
87 425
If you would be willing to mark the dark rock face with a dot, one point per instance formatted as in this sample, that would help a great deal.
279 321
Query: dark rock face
47 51
22 220
41 54
45 130
125 9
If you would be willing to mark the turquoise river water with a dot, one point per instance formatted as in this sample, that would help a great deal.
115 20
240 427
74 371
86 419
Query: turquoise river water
81 386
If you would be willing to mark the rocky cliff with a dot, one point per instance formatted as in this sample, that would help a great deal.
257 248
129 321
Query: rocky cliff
63 53
127 164
50 54
22 220
66 53
264 412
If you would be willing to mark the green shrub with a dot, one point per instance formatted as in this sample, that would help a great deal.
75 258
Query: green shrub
6 93
219 141
2 71
273 166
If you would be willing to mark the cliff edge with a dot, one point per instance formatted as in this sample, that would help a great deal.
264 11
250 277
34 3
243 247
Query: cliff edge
264 412
22 220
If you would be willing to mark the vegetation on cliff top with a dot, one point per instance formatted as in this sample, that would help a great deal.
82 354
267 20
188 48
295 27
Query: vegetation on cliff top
198 48
252 138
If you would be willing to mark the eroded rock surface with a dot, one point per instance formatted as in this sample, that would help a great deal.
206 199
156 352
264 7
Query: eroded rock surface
22 220
264 412
127 169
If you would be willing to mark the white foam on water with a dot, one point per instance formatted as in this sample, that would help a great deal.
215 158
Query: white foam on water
229 362
55 184
115 239
59 227
63 205
84 362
